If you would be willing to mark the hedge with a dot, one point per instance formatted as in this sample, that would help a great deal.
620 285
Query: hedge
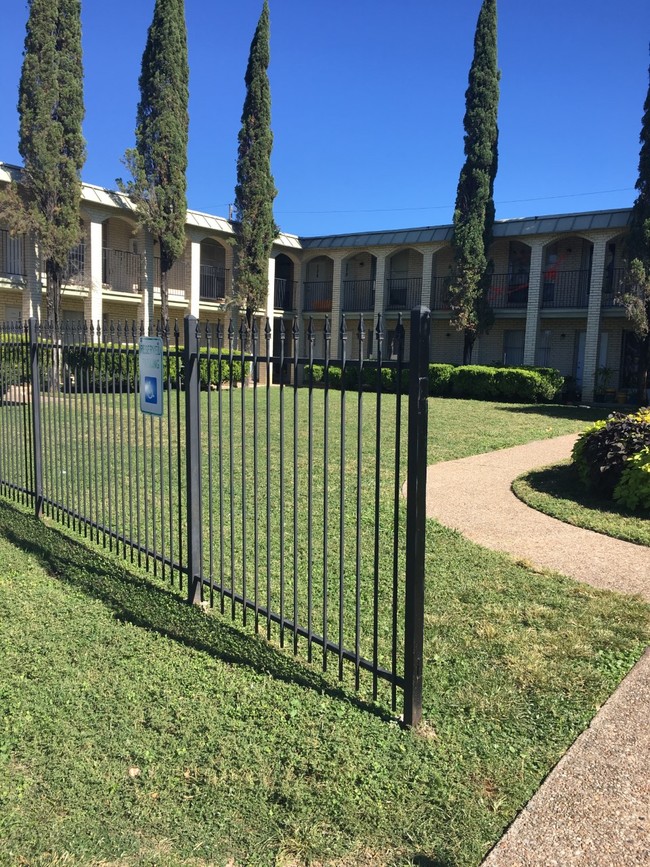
524 385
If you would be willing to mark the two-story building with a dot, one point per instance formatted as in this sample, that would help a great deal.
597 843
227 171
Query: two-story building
553 288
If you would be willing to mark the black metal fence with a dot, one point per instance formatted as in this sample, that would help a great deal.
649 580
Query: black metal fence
282 506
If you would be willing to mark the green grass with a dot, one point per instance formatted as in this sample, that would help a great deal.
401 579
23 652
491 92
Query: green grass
557 492
243 755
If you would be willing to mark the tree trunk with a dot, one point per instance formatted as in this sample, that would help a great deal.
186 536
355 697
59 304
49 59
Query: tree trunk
164 300
468 346
54 279
644 364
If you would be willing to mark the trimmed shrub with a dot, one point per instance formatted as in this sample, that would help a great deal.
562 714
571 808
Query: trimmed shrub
440 379
633 489
602 451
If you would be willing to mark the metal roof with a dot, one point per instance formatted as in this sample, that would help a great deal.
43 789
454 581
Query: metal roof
521 226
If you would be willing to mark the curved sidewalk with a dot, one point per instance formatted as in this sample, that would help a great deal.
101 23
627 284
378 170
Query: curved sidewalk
593 810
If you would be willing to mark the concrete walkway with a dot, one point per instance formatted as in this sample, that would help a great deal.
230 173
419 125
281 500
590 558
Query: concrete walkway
593 810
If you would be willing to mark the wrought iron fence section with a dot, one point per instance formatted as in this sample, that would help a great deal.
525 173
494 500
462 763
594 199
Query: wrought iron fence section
121 270
358 296
317 296
213 283
564 289
403 292
285 294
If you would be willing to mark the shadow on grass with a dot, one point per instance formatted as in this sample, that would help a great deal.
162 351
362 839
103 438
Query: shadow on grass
572 413
146 604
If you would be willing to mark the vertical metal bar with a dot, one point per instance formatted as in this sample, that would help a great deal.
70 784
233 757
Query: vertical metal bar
399 339
282 341
256 553
131 370
327 338
342 470
296 333
243 339
357 615
28 451
416 514
77 459
209 362
220 437
179 475
170 473
267 334
200 461
95 404
124 369
310 483
85 451
231 440
379 335
36 417
192 446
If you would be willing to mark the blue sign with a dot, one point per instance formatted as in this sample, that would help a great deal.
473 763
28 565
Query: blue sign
151 368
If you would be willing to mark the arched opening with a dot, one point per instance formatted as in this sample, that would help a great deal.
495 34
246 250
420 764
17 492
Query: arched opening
284 287
121 258
358 285
509 284
404 282
566 273
317 288
213 271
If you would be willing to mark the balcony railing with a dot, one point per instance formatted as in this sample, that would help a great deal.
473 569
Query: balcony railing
509 291
318 296
121 270
612 284
75 273
284 298
177 282
440 293
12 255
214 283
404 293
564 289
358 295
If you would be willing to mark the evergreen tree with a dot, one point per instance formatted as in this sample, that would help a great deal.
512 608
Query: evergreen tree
636 285
51 110
474 209
255 190
159 160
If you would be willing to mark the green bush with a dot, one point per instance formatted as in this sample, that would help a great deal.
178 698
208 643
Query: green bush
602 452
440 379
633 489
522 384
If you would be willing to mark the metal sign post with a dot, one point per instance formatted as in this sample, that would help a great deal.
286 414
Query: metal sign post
151 369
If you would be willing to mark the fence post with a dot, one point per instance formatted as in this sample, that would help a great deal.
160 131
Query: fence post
192 446
37 443
416 514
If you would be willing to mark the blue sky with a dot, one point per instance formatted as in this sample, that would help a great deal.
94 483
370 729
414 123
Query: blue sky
368 101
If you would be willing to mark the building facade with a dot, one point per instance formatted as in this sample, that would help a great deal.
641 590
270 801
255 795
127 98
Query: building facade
553 287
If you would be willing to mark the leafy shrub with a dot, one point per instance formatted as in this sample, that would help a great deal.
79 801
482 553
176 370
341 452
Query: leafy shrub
633 489
440 379
602 451
524 384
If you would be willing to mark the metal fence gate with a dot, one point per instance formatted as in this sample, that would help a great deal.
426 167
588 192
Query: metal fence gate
282 505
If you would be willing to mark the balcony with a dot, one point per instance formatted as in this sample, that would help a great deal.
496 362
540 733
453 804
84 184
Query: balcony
509 291
121 271
404 293
213 283
12 255
177 278
284 297
612 284
358 296
440 293
565 289
75 273
318 296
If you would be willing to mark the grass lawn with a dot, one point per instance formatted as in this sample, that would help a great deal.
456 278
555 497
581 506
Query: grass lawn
557 492
138 731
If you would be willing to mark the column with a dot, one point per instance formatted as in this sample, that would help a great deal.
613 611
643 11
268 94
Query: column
427 277
195 276
145 308
336 303
93 304
593 319
33 291
380 280
534 299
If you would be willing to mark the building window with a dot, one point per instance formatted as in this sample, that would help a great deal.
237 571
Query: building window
513 348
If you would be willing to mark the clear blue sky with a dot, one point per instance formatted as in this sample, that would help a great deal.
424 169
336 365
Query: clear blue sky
368 101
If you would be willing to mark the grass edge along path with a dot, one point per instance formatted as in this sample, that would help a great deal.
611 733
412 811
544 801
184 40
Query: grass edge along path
140 730
556 491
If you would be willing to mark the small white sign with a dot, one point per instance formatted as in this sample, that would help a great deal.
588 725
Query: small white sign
151 368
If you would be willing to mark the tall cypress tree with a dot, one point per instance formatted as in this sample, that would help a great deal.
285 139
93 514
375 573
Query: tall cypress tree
159 161
636 290
255 190
51 110
474 210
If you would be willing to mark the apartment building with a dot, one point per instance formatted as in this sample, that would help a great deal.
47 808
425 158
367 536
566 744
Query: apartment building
553 288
